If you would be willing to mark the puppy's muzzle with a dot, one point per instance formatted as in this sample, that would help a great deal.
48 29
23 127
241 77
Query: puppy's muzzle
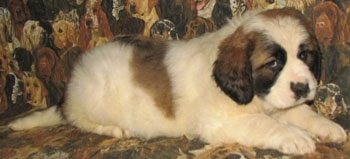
300 89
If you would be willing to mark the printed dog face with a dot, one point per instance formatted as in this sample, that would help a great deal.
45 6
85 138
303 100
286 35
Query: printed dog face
35 92
64 34
34 35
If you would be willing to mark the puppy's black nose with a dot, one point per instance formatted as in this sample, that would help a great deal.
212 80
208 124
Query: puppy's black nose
300 89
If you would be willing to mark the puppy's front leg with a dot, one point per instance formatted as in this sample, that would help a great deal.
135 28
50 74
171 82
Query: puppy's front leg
302 116
262 131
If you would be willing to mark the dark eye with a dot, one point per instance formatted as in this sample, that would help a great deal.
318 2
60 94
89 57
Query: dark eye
303 55
272 64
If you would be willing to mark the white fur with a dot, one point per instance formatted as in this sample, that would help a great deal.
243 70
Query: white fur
102 97
46 118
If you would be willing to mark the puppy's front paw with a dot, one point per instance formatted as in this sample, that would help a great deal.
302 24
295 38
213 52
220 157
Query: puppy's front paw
327 131
291 140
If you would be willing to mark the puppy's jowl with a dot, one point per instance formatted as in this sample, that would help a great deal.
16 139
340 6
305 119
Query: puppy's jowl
245 83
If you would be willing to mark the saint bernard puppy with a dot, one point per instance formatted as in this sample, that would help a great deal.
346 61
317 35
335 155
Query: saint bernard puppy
246 83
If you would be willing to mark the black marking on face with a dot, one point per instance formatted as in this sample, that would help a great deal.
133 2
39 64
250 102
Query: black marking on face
311 56
266 75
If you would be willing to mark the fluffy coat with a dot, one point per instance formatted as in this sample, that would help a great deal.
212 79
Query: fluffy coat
245 83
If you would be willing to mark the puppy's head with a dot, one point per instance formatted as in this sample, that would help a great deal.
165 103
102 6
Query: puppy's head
273 55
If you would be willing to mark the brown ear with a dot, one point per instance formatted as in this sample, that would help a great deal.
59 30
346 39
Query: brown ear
232 69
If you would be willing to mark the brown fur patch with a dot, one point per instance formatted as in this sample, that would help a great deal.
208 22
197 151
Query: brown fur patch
149 71
232 69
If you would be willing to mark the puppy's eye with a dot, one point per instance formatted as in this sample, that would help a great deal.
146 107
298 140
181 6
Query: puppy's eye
273 64
303 55
60 30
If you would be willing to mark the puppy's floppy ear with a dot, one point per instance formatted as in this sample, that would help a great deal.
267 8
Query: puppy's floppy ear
232 69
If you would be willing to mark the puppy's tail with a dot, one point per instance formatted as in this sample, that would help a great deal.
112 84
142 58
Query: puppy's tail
49 117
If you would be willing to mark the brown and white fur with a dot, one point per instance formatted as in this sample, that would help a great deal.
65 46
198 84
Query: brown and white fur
245 83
